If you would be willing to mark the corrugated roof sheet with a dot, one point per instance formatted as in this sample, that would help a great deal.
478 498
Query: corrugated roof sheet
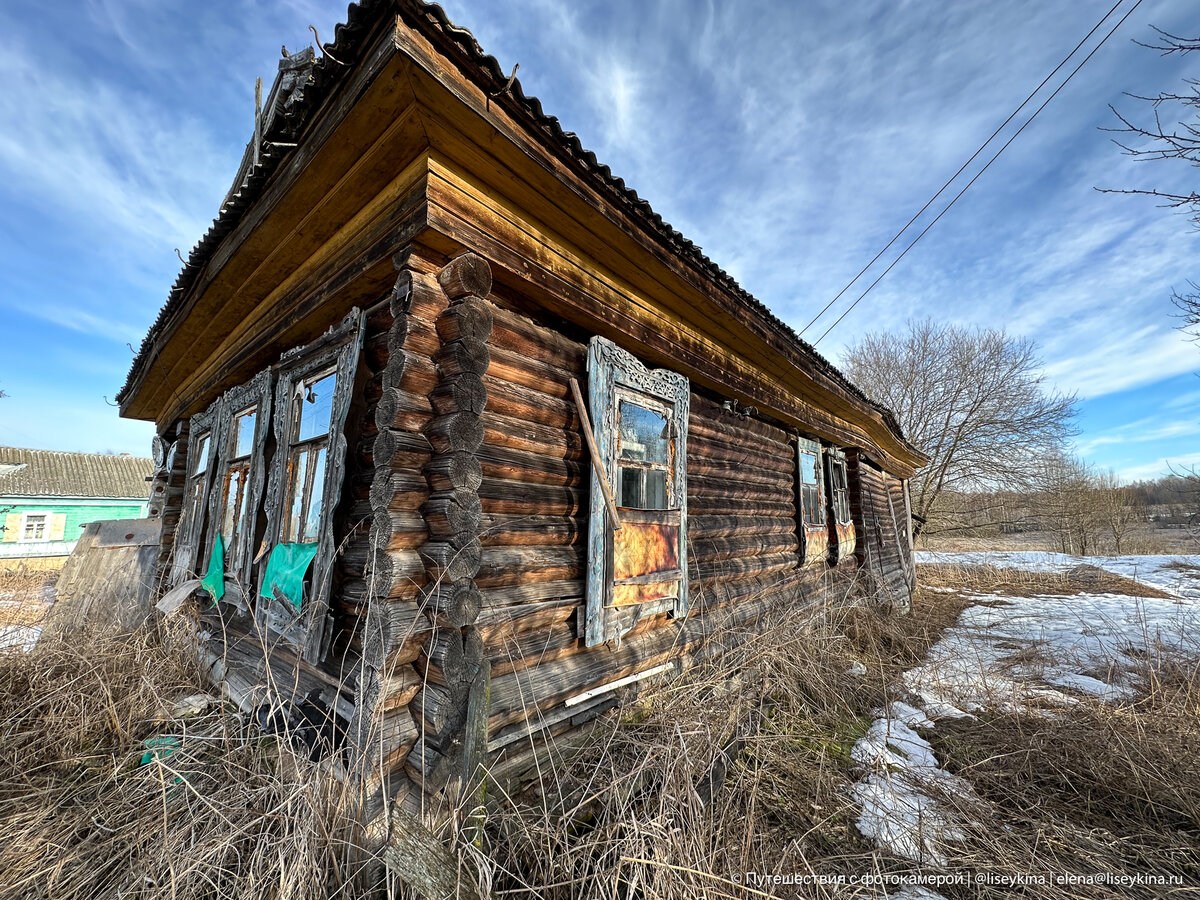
346 49
53 473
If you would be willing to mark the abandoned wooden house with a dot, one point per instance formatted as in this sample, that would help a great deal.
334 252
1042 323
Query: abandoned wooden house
465 440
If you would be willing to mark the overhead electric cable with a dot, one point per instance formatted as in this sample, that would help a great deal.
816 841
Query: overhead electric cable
962 168
975 178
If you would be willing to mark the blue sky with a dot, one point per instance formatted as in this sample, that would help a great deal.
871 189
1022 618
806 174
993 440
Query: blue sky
790 140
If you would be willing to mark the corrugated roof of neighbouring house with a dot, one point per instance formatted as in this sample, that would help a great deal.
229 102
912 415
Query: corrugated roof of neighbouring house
346 50
55 473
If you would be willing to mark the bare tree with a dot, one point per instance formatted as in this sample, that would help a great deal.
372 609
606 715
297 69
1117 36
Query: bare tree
1179 140
974 401
1069 504
1117 505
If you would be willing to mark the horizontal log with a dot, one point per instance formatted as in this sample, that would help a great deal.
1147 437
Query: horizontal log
716 454
515 434
462 357
449 514
702 527
461 394
398 449
446 561
742 546
521 336
392 632
529 404
501 566
506 529
739 476
468 319
397 685
500 623
458 432
733 506
397 530
707 413
466 274
502 597
516 368
498 495
397 573
734 569
454 472
704 489
402 410
458 602
525 465
530 648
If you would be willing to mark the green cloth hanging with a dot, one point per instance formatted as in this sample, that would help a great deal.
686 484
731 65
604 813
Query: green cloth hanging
214 580
285 571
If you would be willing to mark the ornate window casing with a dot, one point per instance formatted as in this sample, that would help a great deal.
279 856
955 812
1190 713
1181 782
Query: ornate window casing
239 471
189 544
313 391
811 515
640 417
841 522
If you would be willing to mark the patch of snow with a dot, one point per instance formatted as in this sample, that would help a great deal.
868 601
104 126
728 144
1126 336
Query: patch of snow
900 796
19 637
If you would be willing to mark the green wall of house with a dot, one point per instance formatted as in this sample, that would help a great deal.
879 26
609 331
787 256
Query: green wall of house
74 513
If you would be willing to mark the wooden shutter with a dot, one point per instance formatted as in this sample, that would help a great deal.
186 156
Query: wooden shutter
12 527
57 528
641 569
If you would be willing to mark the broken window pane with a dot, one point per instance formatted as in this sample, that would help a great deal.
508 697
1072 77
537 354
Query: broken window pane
295 496
644 434
316 407
312 515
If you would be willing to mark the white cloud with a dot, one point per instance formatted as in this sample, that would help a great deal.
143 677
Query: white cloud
1159 467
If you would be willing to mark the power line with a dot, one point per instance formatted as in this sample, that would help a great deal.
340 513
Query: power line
962 168
986 166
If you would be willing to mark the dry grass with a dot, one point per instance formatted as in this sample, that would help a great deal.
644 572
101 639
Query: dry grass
1081 579
222 813
634 815
22 592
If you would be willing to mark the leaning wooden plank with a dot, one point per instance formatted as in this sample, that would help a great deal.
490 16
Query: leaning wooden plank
424 862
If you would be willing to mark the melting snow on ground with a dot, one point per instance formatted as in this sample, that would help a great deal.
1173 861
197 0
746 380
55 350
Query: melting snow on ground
1014 654
22 637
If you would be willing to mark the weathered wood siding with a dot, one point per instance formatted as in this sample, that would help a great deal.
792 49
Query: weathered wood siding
881 519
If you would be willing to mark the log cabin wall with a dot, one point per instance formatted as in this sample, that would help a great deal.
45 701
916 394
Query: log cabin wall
744 554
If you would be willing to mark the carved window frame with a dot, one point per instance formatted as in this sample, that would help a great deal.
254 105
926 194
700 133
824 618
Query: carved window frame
615 375
336 350
194 515
239 557
812 520
842 537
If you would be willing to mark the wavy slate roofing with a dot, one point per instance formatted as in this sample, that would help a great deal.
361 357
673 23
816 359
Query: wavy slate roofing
52 473
430 20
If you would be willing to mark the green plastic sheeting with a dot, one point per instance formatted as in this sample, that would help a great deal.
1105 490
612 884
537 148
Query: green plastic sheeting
285 571
214 580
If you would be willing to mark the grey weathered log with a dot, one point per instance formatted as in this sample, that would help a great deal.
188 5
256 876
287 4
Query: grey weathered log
449 514
459 601
454 472
464 393
444 560
466 274
470 318
455 432
462 356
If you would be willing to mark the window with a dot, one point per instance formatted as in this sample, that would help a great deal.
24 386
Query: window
842 525
34 527
189 545
810 502
640 418
314 387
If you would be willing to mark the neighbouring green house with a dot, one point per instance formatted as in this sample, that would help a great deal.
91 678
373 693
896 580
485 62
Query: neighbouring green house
46 496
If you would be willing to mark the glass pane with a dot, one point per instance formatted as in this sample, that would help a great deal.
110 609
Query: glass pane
295 496
316 407
243 432
808 468
810 500
312 517
35 528
644 434
631 489
656 489
201 462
